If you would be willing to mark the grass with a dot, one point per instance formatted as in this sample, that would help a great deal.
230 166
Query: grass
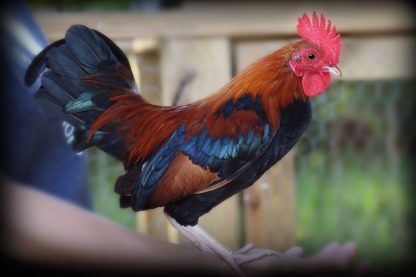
363 204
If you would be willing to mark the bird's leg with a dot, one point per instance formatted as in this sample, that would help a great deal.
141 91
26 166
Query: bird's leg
207 243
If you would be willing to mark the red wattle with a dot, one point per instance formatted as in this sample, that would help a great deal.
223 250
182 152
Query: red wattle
315 84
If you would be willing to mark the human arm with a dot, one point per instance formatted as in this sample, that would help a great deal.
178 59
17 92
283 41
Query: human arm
43 230
46 231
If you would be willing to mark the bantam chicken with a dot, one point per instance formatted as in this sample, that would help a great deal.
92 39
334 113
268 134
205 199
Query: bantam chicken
187 158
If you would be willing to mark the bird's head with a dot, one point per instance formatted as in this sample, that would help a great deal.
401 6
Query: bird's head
316 57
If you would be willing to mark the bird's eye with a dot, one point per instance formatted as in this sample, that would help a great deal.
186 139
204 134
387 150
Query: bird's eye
311 56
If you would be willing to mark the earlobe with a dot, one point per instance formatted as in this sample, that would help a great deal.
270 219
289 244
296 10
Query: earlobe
294 66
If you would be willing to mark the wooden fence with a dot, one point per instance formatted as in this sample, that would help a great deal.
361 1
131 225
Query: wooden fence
217 41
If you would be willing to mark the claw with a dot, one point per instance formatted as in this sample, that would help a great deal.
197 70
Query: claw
245 249
243 256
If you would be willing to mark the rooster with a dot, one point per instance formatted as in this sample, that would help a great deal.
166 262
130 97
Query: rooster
188 158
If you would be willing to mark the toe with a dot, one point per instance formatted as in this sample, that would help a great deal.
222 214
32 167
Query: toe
245 249
294 252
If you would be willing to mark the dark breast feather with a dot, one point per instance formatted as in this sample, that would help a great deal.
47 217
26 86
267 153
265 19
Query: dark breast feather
294 121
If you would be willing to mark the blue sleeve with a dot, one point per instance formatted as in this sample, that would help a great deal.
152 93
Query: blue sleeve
35 144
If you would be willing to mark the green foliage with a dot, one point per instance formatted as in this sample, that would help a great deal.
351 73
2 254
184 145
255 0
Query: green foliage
350 170
362 205
103 172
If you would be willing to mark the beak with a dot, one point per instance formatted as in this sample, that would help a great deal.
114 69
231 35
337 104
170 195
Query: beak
333 70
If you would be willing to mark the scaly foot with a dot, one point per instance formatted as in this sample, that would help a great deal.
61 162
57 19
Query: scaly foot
249 253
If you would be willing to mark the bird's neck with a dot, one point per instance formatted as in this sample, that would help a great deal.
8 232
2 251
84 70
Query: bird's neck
270 78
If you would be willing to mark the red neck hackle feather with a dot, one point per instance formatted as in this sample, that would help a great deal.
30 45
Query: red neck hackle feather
318 32
270 78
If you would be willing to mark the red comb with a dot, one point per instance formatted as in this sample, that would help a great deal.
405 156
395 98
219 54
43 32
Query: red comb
317 32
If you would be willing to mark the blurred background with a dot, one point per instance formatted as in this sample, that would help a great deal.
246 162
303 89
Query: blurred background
350 176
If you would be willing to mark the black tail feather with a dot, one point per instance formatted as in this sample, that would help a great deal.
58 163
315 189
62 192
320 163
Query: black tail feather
39 63
82 72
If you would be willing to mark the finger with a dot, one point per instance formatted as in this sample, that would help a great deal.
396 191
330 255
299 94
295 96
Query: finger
330 251
326 259
294 252
345 254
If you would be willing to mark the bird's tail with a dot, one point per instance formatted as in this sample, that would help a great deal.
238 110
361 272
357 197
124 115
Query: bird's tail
80 74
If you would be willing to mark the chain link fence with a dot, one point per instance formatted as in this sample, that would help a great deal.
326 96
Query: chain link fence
351 168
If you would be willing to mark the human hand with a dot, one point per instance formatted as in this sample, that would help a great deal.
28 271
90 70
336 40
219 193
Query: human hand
334 258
